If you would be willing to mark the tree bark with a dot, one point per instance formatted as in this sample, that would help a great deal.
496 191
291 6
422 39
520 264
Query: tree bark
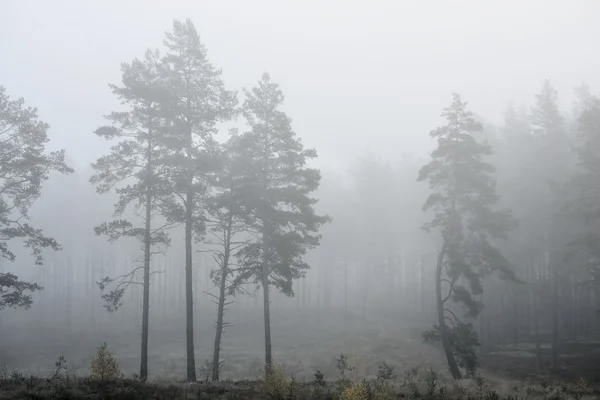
454 370
146 283
266 302
536 327
267 315
189 293
221 304
220 312
555 322
345 289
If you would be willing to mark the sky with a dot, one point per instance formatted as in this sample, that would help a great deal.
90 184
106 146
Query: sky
358 76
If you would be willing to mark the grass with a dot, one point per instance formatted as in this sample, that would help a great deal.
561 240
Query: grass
277 384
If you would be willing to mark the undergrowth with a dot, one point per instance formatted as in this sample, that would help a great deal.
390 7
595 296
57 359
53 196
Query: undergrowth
107 382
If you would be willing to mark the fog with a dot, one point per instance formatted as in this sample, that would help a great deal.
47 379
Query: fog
364 83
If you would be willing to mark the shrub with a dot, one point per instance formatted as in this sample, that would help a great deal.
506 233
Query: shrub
103 366
275 384
355 391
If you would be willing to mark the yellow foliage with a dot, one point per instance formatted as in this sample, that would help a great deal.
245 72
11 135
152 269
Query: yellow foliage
275 384
356 391
103 366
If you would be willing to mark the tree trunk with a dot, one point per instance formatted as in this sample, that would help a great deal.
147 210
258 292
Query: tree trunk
266 302
345 289
267 315
220 312
555 322
146 295
189 296
515 315
221 304
536 327
454 370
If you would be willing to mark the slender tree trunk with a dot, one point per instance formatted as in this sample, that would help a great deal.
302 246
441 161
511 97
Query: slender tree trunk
221 304
266 302
189 293
454 370
515 315
555 322
576 305
345 289
146 295
220 312
502 322
267 316
536 328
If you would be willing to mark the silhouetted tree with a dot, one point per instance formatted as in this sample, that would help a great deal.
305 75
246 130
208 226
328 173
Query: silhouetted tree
276 192
227 228
584 187
135 169
462 200
24 167
552 161
196 103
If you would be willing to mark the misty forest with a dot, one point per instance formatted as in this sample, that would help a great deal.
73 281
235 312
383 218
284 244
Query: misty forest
208 244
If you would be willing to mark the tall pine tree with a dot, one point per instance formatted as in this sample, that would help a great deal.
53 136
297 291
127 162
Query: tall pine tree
462 201
135 169
276 192
552 162
197 101
584 188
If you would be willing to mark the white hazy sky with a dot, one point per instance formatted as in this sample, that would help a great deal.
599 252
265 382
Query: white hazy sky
358 75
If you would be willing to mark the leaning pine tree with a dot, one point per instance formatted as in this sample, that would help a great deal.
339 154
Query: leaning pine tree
462 200
134 168
275 192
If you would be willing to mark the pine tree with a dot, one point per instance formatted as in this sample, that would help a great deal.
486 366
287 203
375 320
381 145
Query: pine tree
197 101
276 193
584 187
104 366
24 167
135 170
552 160
462 201
227 229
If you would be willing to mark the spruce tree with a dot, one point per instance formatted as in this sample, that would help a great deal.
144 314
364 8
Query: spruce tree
24 167
135 169
462 202
197 101
276 193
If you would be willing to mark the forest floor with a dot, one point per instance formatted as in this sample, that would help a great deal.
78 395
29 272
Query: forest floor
304 342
